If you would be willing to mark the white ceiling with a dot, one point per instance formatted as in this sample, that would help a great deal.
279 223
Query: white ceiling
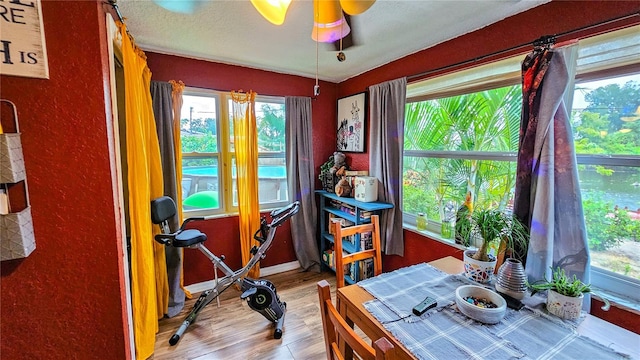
233 32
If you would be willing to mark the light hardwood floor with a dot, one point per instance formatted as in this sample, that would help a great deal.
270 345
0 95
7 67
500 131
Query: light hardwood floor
234 331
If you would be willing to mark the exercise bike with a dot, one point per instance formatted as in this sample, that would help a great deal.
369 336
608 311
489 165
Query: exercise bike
260 295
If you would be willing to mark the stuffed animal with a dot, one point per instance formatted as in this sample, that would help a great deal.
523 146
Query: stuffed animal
343 189
339 164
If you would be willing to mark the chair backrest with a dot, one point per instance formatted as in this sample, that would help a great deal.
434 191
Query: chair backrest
343 260
336 329
162 209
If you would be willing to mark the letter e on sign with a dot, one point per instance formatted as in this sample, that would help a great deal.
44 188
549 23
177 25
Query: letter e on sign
22 46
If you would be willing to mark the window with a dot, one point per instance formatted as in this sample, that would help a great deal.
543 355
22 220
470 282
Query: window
606 126
461 142
208 160
461 131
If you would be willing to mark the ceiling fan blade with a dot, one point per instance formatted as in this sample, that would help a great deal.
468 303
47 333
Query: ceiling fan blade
179 6
356 7
350 39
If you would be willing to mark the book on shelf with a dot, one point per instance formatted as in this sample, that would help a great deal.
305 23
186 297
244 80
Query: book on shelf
366 241
335 219
353 272
328 258
366 269
356 173
351 210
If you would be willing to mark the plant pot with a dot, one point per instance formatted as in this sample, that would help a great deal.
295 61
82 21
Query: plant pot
476 270
562 306
511 279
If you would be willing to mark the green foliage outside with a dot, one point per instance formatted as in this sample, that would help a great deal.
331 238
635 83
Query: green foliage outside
489 121
483 121
604 128
601 128
607 225
271 128
200 137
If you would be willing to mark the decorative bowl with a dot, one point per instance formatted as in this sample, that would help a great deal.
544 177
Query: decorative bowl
483 315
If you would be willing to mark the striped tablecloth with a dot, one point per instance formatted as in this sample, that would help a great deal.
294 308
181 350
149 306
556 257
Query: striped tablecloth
445 333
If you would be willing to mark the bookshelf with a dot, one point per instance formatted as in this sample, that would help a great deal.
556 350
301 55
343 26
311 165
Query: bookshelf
350 212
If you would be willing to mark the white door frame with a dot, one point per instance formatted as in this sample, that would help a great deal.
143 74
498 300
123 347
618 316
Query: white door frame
114 45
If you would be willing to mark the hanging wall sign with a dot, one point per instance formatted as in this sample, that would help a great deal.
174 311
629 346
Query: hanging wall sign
22 48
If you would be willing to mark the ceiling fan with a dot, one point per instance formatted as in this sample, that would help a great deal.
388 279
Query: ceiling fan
331 18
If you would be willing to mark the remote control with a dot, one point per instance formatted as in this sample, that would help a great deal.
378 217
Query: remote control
426 304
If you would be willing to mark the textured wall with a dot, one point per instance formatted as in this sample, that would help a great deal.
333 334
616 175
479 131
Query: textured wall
65 300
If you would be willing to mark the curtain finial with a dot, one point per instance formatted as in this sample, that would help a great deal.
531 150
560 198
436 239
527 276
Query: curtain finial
544 41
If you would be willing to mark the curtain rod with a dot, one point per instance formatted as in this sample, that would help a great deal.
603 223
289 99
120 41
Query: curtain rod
117 9
546 39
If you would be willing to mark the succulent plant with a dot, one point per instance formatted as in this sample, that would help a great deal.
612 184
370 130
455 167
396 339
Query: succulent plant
562 284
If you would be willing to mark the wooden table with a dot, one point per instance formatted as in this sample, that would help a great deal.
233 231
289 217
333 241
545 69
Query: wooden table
349 301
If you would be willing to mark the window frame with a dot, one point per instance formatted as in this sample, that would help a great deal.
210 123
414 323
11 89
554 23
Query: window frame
226 157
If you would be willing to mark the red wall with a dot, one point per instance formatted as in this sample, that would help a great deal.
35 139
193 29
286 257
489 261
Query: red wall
222 233
552 18
555 17
66 300
418 249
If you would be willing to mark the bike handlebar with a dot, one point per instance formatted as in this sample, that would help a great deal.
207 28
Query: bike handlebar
279 216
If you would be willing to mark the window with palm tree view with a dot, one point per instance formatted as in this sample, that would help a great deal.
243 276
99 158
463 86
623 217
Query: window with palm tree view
467 142
208 161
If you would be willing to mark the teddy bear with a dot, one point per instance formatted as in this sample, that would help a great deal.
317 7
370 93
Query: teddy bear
343 188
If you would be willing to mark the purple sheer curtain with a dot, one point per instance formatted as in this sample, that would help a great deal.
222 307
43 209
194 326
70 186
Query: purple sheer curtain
547 195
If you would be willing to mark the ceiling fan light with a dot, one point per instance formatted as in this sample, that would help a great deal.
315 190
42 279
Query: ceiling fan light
272 10
330 32
329 23
356 7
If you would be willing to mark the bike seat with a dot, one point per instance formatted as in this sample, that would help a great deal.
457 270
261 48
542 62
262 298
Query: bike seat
163 209
188 237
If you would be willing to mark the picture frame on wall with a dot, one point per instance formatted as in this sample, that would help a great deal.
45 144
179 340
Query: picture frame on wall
352 113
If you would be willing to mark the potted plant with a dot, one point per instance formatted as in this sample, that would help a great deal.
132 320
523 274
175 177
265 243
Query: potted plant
489 227
564 295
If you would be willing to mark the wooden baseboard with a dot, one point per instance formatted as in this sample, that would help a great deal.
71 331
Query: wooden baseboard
275 269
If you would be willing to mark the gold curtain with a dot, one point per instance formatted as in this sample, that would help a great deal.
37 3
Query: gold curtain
149 284
176 97
246 149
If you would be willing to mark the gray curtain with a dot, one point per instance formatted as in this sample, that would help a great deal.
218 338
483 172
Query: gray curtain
386 124
300 172
547 196
163 112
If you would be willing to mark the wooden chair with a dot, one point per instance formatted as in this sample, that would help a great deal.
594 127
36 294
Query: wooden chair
345 259
336 329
